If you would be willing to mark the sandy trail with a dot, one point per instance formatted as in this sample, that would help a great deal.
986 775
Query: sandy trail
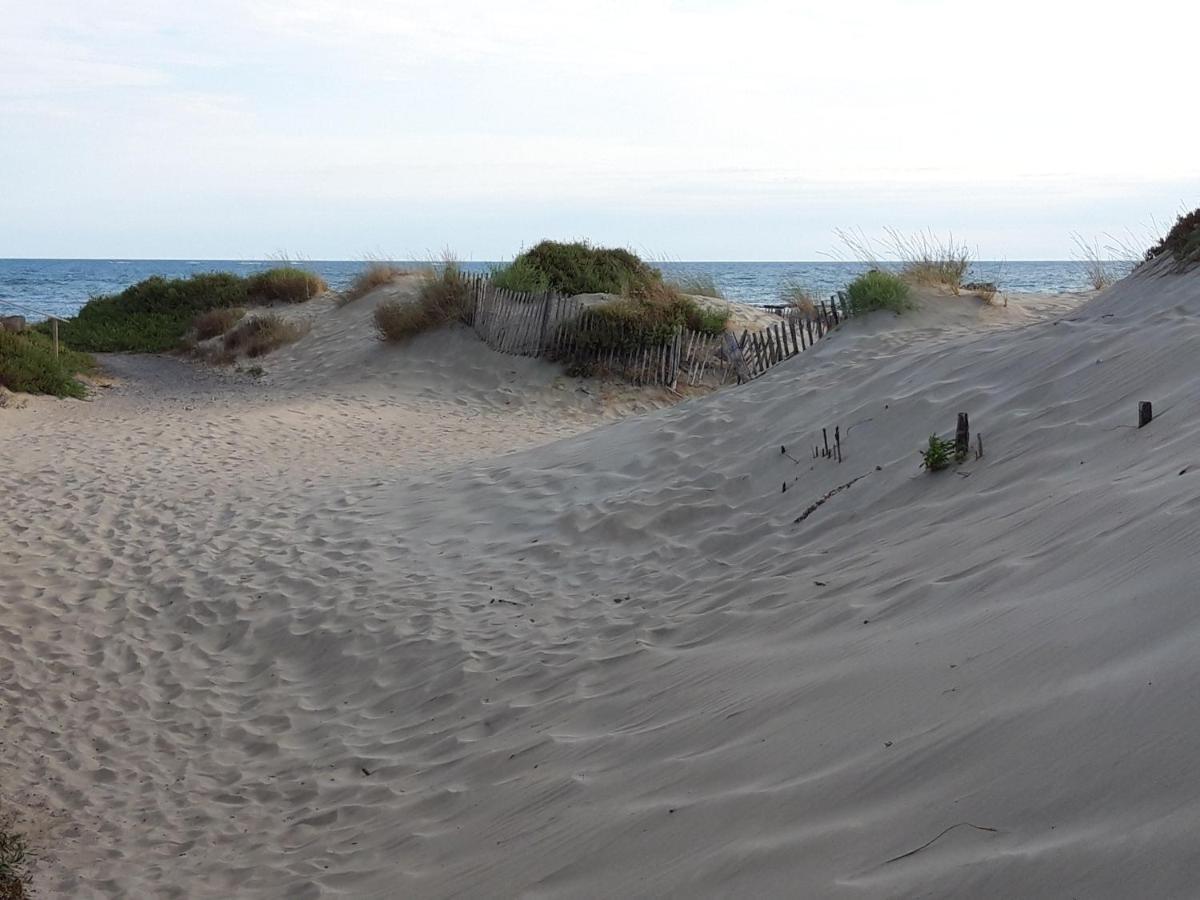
310 637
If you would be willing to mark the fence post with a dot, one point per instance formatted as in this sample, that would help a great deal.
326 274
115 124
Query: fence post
962 437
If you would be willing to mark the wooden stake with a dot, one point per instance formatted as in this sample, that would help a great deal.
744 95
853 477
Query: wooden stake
1145 410
962 437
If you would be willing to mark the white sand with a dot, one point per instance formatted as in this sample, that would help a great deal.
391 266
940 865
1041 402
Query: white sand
223 603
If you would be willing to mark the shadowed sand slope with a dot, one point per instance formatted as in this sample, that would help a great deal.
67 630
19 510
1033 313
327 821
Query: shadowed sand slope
244 661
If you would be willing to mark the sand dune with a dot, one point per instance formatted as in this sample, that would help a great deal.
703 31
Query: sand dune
311 636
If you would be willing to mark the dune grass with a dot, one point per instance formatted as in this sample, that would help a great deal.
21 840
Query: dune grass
153 315
920 258
378 273
878 290
927 259
1182 241
259 335
699 284
444 297
1097 268
284 284
28 364
798 297
216 322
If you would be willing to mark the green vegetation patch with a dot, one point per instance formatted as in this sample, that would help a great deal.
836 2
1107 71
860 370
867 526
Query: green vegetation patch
576 268
152 316
14 860
1182 241
878 289
28 364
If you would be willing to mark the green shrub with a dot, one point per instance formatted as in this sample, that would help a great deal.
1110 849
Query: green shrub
216 321
878 289
259 335
27 364
577 268
284 284
520 275
1182 241
152 316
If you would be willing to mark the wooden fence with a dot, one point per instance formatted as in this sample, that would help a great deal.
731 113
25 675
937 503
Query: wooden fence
571 331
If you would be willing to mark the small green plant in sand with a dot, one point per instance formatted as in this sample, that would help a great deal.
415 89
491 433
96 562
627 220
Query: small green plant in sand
259 335
378 273
14 858
938 454
28 364
444 297
877 289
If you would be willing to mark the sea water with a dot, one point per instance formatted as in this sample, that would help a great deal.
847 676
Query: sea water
62 286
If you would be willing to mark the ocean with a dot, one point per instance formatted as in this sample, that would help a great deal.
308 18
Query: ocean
62 286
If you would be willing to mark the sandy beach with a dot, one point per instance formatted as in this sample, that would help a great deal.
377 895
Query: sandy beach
429 621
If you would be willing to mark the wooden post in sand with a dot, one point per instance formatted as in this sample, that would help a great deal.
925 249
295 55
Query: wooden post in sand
54 330
962 437
1145 413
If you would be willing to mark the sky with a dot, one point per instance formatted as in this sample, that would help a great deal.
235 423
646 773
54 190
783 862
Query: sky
692 129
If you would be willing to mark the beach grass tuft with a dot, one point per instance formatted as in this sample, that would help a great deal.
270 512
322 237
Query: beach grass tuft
878 290
215 322
798 297
1097 268
444 297
699 284
259 335
378 273
927 259
284 284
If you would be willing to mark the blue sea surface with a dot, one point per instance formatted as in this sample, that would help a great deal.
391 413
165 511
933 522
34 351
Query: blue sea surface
61 286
